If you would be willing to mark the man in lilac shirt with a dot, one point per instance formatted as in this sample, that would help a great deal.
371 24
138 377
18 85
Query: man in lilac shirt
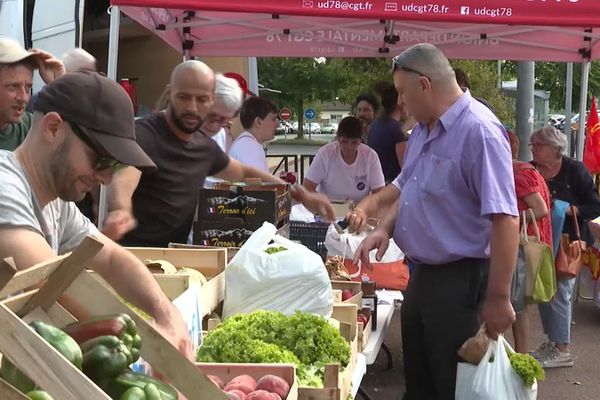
456 218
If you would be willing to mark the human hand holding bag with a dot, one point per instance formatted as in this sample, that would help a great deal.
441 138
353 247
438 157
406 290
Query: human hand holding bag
569 256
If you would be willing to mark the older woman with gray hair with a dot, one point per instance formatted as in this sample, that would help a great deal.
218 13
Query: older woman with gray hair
570 181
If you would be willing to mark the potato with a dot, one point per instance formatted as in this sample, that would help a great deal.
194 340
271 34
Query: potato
274 384
216 380
261 395
243 383
236 394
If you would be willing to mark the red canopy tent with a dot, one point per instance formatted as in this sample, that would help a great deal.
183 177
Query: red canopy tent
541 30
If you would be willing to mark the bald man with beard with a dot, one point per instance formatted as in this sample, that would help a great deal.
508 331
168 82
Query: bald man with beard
156 209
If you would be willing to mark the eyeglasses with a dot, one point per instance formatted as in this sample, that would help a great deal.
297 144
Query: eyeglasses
102 162
396 66
537 145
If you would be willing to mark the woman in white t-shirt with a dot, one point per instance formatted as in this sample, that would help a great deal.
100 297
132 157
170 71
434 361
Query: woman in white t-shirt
259 119
345 168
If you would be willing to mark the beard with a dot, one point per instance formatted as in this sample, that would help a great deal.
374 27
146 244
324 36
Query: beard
62 174
180 124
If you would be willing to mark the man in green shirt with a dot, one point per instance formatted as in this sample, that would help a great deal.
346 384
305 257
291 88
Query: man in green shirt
16 77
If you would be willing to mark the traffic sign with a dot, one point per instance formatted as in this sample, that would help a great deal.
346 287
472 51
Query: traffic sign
285 114
310 113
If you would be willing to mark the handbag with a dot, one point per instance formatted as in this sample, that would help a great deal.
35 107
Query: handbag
569 256
540 276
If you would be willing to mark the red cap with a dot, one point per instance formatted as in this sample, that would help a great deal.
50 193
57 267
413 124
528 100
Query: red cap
241 81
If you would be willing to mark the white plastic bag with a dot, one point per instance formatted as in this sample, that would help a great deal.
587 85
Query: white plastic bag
345 245
492 380
286 281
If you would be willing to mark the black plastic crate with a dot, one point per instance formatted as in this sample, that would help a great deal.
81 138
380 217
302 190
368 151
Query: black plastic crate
311 235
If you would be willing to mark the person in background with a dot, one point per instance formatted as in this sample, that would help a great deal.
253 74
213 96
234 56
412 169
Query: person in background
465 84
155 209
570 181
532 193
365 109
16 79
259 119
456 219
74 60
385 133
345 168
227 104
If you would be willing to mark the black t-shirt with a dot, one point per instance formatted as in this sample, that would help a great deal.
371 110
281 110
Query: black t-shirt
384 134
164 202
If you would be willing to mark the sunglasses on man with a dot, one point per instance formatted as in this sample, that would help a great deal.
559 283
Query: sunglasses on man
396 65
102 162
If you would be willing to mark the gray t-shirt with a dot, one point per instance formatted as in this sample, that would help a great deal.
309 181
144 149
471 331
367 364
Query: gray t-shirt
60 222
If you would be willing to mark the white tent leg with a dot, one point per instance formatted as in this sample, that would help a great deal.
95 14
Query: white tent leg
569 107
585 75
113 54
253 75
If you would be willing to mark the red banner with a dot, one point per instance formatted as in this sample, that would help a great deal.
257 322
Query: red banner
591 154
574 13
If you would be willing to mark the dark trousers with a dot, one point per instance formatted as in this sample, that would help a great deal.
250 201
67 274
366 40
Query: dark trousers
440 311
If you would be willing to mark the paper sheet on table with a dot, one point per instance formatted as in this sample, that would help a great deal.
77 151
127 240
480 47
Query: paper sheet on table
389 296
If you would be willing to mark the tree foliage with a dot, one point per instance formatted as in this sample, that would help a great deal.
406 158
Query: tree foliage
552 77
301 81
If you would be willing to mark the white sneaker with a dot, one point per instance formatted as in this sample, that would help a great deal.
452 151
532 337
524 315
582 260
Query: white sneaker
543 350
557 359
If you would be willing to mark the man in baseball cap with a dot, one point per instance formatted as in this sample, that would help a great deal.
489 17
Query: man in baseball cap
16 76
101 115
82 131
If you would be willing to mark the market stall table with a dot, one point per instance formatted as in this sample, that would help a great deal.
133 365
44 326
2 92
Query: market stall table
385 310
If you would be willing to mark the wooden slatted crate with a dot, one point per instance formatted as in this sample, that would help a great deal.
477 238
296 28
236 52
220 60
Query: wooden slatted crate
65 275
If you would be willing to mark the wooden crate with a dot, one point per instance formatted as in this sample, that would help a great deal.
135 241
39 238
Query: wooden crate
337 382
354 287
48 368
210 262
229 371
364 331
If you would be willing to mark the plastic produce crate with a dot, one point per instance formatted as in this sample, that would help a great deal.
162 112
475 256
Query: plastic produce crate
311 235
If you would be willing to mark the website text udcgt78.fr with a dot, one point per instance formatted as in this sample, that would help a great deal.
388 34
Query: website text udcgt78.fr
345 5
426 8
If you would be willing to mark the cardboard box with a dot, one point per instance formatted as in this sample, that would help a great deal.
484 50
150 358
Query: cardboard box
251 203
228 232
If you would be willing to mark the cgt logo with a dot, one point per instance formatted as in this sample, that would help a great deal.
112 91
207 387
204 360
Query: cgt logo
465 10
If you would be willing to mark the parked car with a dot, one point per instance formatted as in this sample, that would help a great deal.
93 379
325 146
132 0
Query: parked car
575 121
313 127
556 120
283 128
329 129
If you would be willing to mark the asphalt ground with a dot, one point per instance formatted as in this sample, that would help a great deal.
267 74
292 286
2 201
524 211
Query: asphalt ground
581 382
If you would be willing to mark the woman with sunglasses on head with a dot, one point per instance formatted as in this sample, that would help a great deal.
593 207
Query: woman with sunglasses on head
570 181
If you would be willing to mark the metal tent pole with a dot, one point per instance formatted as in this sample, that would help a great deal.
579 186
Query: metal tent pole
113 54
585 77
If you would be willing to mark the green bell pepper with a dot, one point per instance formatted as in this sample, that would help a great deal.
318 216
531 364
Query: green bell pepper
104 358
150 392
58 339
39 395
119 325
129 379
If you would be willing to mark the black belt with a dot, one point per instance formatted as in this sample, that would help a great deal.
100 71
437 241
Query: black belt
461 261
